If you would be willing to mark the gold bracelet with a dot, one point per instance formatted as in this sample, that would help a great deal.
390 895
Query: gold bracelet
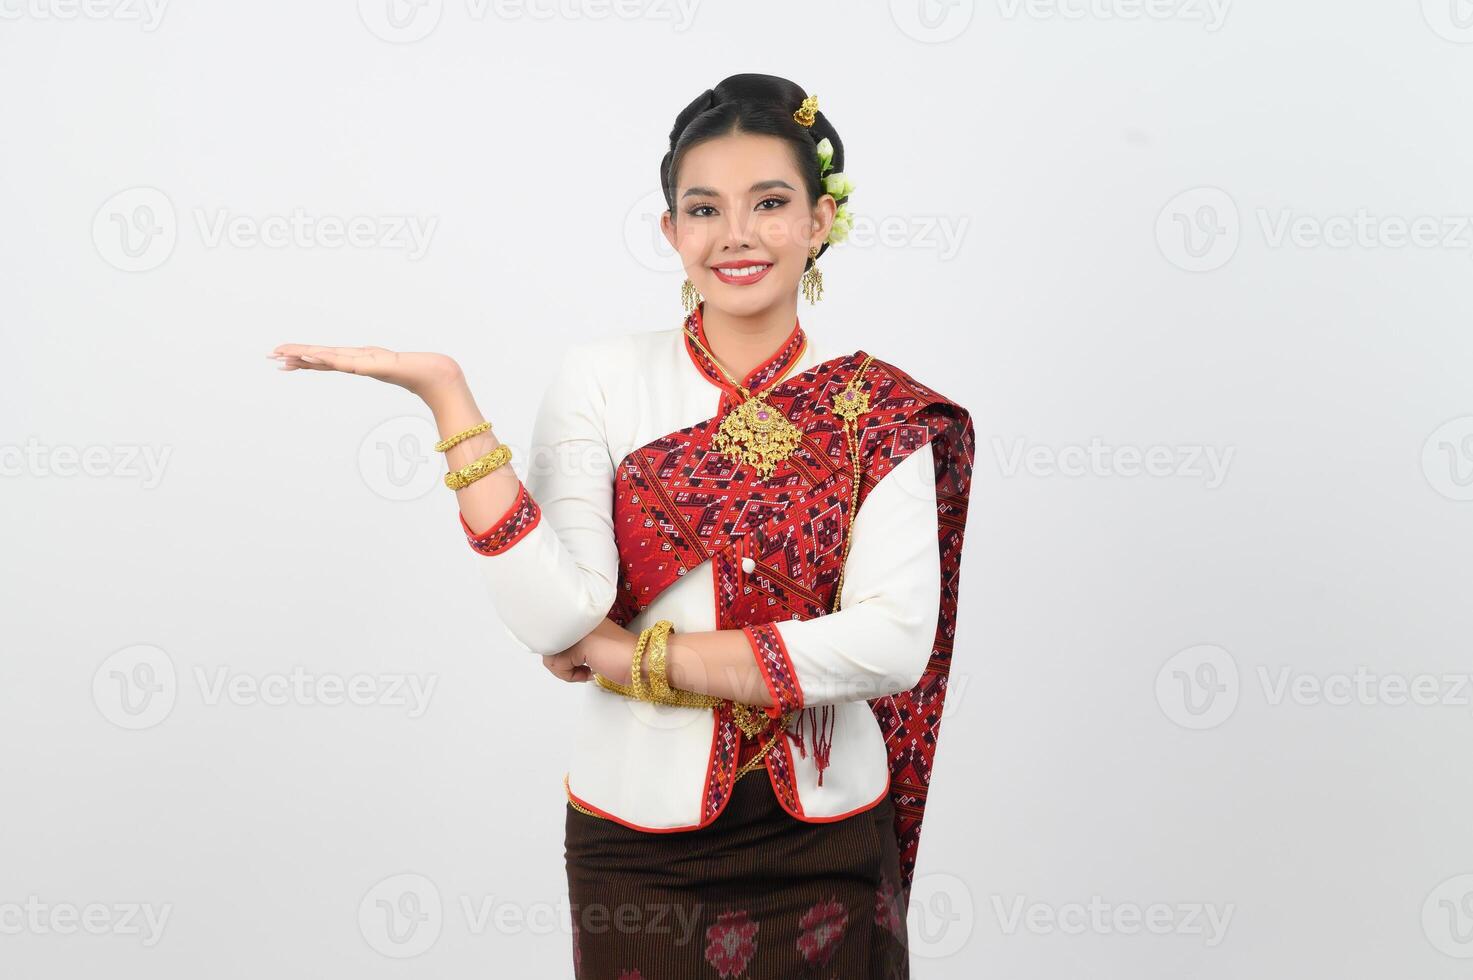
665 694
660 689
459 437
751 719
636 671
466 475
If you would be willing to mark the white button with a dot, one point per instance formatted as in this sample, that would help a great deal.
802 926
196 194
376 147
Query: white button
748 564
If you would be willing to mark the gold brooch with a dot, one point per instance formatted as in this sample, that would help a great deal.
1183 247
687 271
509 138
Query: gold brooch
758 434
851 403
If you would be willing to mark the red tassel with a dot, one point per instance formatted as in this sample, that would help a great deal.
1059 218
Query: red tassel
798 737
823 737
822 740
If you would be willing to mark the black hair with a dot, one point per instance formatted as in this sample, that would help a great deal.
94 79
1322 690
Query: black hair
759 104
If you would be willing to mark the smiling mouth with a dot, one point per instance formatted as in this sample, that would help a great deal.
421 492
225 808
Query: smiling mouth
741 272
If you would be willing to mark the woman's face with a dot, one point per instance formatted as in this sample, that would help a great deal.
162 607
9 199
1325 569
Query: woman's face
742 224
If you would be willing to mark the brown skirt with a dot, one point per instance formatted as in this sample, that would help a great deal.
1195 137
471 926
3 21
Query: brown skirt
757 894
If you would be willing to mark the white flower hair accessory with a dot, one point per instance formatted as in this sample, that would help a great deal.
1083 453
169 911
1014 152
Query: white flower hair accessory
840 186
838 183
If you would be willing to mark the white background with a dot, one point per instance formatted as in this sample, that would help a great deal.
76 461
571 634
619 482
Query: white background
1168 228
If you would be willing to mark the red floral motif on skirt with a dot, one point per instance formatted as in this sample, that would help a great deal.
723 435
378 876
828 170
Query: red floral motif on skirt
731 943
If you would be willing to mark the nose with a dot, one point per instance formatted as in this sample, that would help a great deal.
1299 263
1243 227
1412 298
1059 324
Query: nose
738 232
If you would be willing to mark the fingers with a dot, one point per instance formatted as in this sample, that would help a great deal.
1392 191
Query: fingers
316 357
293 362
564 668
313 349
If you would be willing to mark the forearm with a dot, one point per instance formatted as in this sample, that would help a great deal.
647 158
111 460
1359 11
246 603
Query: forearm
488 499
717 662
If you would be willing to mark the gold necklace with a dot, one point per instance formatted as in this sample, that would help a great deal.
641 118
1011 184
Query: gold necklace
849 404
754 431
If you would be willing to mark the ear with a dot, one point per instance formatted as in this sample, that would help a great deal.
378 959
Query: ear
823 219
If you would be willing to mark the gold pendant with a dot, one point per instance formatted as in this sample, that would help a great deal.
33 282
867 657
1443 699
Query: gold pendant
758 434
851 403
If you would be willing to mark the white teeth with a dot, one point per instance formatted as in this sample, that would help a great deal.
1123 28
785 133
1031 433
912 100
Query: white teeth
750 270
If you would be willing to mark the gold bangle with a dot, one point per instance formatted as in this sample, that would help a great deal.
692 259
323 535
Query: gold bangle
660 689
476 429
636 678
466 475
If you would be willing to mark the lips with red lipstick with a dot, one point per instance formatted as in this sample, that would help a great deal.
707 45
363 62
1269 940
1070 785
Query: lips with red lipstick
743 273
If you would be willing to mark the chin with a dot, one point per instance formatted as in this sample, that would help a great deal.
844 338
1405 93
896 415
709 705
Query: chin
745 300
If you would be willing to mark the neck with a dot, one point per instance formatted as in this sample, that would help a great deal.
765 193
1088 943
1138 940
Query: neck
740 342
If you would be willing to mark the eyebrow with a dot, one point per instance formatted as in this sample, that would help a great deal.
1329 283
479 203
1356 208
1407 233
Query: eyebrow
761 185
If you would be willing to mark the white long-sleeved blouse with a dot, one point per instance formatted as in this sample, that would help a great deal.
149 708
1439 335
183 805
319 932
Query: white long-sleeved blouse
553 580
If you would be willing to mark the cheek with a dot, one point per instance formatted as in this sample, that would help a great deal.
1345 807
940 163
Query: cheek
784 235
693 243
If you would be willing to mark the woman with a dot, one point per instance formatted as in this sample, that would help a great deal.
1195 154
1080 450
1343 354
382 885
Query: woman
750 540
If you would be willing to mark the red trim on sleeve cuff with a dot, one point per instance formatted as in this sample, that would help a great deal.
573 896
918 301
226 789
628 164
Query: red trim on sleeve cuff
520 518
771 654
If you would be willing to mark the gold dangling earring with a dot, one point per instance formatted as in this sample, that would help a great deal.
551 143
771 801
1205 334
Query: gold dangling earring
813 280
689 297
